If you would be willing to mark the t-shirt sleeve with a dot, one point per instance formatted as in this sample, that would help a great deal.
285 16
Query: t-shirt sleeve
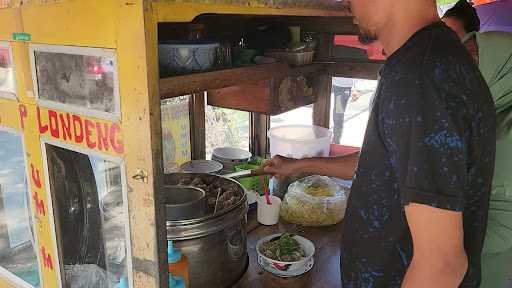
427 144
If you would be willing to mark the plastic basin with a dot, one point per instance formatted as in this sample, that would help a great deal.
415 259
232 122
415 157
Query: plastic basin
300 141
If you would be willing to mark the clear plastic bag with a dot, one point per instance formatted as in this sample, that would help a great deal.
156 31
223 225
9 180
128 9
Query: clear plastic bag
89 275
314 201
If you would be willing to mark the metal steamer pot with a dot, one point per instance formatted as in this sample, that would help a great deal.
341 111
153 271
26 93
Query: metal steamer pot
216 245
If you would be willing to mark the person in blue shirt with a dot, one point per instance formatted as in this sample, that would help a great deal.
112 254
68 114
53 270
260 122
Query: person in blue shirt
417 213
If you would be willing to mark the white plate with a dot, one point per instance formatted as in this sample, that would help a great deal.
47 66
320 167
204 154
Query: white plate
287 274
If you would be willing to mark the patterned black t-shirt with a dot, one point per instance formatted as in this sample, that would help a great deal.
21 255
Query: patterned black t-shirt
430 140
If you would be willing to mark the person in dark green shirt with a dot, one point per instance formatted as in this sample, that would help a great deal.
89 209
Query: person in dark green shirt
492 52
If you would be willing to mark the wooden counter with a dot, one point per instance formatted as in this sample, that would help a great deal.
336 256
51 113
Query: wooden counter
325 273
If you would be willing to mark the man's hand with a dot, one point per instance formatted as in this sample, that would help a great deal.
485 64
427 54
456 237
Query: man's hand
281 167
439 258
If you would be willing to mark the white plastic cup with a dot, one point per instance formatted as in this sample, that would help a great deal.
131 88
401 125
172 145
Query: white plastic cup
268 214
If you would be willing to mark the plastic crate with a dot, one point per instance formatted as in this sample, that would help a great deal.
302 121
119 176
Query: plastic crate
252 183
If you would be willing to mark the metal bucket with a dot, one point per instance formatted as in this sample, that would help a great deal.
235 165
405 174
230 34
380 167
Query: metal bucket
216 245
184 203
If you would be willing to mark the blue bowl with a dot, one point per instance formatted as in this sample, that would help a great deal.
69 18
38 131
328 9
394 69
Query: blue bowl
186 57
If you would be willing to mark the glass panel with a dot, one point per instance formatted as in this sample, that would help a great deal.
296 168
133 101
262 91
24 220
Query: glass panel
299 116
81 80
350 109
89 217
17 253
7 83
226 127
175 133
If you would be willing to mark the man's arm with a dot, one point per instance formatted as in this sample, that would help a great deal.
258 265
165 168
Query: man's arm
342 167
439 258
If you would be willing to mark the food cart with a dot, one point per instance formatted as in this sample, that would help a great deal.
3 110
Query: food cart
81 123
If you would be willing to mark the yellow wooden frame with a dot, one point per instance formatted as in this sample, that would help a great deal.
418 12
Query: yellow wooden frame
130 28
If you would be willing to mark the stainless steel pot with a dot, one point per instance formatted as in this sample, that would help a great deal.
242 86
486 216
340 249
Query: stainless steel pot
216 245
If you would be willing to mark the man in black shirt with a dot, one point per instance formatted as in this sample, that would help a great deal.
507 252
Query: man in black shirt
417 212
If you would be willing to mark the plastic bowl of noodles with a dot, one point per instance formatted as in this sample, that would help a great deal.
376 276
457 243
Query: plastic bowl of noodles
314 201
285 252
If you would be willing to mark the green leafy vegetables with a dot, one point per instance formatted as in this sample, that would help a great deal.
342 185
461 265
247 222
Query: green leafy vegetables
285 249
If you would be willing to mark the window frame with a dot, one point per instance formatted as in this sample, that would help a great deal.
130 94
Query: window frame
124 185
114 116
11 277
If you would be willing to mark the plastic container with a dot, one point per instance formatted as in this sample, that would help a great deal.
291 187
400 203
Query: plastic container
123 283
176 282
314 201
178 267
300 141
293 58
268 214
300 58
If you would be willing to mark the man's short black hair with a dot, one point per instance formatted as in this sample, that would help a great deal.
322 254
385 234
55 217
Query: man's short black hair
466 13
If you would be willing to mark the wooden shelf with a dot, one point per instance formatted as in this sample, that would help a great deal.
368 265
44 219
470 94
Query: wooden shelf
193 83
188 10
368 70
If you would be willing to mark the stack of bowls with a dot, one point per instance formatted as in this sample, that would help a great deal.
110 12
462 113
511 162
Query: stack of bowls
202 166
230 157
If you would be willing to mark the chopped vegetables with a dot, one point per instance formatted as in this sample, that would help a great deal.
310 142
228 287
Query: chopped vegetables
285 249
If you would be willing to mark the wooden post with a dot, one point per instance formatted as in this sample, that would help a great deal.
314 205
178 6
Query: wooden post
260 124
141 116
325 45
322 107
198 125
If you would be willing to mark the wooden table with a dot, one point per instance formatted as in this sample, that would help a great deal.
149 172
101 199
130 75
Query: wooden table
325 273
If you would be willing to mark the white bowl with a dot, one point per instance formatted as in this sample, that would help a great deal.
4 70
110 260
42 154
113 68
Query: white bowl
179 57
202 166
307 246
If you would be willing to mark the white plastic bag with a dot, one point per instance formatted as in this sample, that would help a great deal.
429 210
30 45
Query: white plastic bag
315 201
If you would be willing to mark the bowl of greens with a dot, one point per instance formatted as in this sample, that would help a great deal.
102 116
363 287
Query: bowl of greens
285 252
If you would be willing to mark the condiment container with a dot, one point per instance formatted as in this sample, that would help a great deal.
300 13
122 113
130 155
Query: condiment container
178 266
